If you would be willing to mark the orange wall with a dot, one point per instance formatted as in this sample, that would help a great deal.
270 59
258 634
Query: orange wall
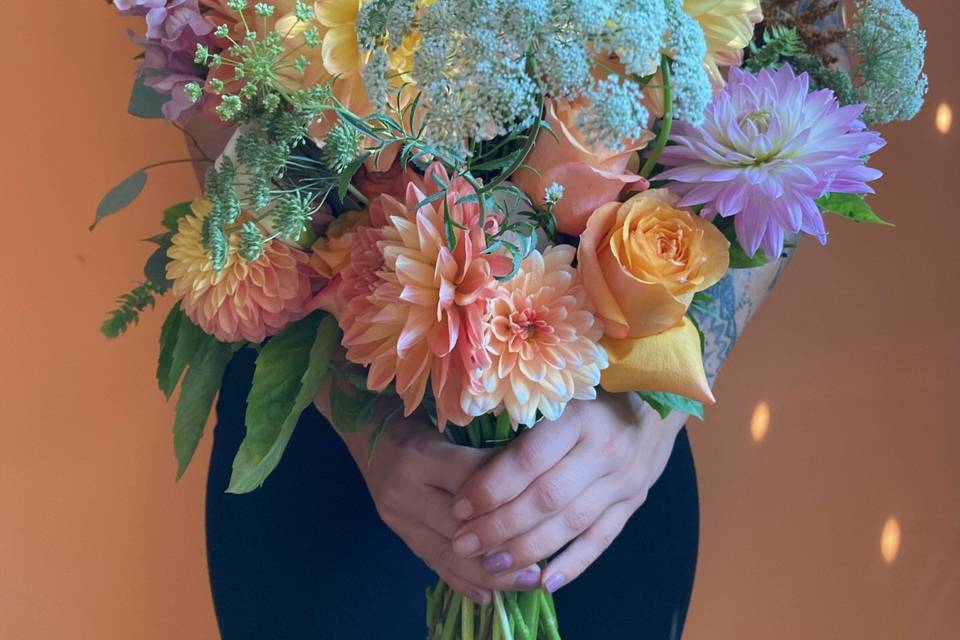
96 539
857 353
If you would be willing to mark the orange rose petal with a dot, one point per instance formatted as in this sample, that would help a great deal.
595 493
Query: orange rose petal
604 300
669 361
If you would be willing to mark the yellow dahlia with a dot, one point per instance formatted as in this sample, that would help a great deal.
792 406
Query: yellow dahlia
543 341
245 300
728 27
418 316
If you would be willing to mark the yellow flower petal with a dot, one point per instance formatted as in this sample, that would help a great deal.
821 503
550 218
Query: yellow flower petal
669 361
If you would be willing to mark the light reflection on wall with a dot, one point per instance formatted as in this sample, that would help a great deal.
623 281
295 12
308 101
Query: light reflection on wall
760 421
890 540
944 118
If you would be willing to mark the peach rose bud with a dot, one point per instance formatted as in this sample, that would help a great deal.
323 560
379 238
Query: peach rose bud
590 177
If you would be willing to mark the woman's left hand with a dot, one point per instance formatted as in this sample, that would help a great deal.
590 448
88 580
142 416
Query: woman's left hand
579 479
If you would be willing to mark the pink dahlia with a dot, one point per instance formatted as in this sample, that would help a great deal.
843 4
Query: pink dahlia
245 300
766 151
419 315
543 342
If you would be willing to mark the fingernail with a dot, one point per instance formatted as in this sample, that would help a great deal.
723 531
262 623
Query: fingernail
466 544
482 599
497 562
528 579
554 582
463 509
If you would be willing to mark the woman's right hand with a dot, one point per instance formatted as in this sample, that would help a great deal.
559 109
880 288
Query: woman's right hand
412 478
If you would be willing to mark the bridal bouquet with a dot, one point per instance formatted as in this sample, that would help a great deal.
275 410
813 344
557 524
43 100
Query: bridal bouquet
484 209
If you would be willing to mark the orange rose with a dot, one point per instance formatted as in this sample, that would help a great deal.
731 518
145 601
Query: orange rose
330 252
644 260
590 177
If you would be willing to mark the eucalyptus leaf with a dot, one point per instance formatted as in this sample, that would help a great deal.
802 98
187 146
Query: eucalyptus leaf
146 102
250 470
197 393
664 403
850 206
120 196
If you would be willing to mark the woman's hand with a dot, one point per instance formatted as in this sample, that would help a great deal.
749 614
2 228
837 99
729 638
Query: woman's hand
412 477
576 479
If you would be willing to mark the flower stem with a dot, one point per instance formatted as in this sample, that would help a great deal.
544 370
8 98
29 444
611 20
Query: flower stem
521 629
548 616
359 196
453 612
503 621
530 608
466 620
665 124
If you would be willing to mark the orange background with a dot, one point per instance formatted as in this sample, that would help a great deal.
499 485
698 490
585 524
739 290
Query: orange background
856 353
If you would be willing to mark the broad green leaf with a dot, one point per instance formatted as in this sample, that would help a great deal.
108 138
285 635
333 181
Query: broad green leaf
850 206
250 470
177 349
120 196
351 409
146 102
171 217
664 403
280 367
197 392
377 430
155 269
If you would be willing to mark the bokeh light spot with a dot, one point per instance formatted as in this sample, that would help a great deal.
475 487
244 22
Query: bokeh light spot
890 540
944 118
760 421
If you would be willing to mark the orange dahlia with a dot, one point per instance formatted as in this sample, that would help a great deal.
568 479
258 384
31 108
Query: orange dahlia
419 315
244 300
543 341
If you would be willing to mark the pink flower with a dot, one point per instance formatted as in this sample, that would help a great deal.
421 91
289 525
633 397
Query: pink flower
542 340
415 312
590 177
245 300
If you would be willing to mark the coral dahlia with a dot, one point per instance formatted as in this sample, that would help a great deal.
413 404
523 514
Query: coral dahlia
543 342
245 300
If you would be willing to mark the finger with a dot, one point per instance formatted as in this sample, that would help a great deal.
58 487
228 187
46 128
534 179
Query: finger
450 465
583 551
515 467
438 512
429 547
551 535
549 494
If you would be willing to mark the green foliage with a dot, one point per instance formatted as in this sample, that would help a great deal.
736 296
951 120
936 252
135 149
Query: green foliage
739 258
144 101
351 408
180 339
779 42
287 378
199 388
120 196
171 217
663 403
850 206
129 306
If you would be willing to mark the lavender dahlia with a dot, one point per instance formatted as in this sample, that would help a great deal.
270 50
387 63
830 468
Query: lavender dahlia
766 151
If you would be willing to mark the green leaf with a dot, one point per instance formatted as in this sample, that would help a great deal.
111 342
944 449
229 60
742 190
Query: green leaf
347 175
377 430
180 340
850 206
146 102
155 269
120 196
171 217
739 258
197 392
351 409
664 403
251 470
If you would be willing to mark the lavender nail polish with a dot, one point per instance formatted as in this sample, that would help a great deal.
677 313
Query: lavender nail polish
481 599
554 582
497 562
528 579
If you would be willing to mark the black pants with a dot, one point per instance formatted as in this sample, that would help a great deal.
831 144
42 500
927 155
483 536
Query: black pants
307 557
